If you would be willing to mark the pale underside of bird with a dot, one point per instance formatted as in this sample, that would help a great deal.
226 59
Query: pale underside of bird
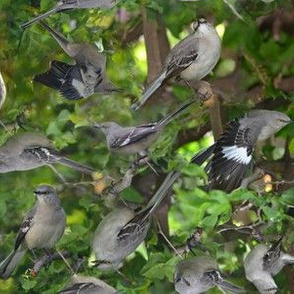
64 5
192 58
123 229
42 228
264 262
28 151
87 285
111 250
82 79
200 274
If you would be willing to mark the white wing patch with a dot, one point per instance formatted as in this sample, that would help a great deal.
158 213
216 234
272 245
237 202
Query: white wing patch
238 154
79 86
128 139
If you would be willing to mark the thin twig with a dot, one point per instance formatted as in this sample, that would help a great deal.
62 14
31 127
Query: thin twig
168 241
66 262
59 175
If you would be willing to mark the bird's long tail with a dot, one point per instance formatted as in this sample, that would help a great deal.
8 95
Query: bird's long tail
9 264
225 285
166 120
149 91
287 258
143 217
199 159
39 17
60 39
203 155
76 166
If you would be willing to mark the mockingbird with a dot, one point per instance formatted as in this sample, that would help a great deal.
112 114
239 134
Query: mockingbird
41 229
134 140
28 151
81 80
87 285
123 229
191 59
232 152
69 5
262 263
198 275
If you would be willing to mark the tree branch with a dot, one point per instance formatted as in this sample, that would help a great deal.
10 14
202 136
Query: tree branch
46 260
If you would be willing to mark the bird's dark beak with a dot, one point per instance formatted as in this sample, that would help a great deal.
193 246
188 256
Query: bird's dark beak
36 193
96 126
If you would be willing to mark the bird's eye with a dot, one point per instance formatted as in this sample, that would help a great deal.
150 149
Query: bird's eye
284 121
267 256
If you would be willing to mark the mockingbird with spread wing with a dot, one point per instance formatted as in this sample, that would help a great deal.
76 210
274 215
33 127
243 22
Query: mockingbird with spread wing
41 229
231 154
81 80
192 58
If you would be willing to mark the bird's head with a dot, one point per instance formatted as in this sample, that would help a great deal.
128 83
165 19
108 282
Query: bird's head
201 26
46 193
281 119
104 127
275 120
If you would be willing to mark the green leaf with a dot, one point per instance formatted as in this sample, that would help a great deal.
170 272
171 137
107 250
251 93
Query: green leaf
28 284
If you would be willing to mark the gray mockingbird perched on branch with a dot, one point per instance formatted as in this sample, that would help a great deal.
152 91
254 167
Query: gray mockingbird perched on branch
82 79
64 5
232 152
41 229
28 151
262 263
192 58
199 274
87 285
134 140
123 229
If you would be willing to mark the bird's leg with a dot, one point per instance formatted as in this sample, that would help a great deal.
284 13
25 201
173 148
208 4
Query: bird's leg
143 156
194 241
48 252
192 88
98 262
65 261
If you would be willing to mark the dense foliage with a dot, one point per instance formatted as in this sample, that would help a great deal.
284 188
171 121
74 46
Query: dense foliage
256 70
